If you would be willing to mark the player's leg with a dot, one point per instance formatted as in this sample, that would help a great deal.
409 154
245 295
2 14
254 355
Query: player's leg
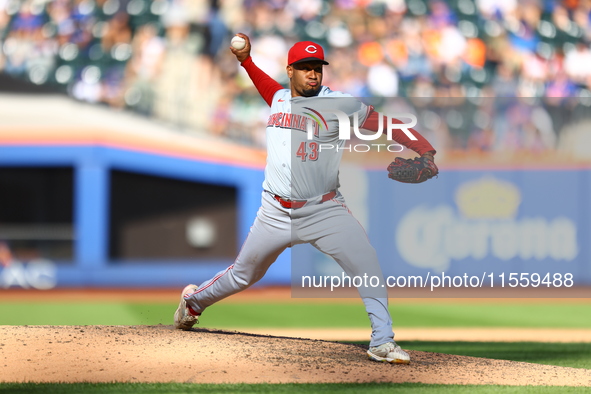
332 229
268 237
353 252
346 241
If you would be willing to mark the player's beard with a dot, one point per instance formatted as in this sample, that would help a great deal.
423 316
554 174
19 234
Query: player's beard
311 91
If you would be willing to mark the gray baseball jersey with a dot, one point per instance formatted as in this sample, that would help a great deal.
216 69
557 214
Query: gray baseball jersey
297 166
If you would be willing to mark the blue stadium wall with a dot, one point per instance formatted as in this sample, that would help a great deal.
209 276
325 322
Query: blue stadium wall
92 165
466 221
475 222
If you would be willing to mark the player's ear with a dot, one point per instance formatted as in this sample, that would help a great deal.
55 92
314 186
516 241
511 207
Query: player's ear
289 70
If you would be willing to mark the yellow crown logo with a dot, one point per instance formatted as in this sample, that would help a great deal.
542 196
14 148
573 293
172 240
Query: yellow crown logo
488 198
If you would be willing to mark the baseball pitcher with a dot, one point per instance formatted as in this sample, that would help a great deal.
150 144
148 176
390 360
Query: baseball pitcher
301 202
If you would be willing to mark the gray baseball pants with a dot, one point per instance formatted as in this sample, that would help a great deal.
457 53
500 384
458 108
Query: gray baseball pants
330 227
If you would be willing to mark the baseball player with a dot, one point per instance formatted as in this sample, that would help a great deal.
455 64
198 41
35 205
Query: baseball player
301 202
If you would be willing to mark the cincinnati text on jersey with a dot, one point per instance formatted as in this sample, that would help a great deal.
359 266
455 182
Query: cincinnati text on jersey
293 121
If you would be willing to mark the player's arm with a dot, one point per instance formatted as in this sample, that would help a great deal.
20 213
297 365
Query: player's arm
421 145
266 85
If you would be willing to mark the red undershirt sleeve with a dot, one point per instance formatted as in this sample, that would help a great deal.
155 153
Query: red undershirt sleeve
421 145
266 85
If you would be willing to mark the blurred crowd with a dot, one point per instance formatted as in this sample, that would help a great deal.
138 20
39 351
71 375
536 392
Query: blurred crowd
474 62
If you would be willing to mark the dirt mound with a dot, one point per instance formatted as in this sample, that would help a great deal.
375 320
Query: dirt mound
162 354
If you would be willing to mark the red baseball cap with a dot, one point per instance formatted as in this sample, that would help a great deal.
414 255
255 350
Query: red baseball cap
305 51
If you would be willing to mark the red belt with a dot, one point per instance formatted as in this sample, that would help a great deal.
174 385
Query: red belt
294 204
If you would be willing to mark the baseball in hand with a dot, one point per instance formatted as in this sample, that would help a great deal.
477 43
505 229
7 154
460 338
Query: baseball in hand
238 42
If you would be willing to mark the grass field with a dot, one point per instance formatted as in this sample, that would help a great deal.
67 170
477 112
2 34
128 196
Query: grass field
577 355
302 315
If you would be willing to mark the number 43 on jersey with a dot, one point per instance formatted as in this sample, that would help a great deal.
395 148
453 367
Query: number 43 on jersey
308 151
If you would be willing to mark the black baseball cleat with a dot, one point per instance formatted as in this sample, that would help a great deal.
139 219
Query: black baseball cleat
183 318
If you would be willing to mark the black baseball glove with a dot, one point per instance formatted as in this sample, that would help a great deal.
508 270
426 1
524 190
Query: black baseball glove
415 170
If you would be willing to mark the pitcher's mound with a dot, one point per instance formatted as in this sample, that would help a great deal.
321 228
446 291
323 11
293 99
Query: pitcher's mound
163 354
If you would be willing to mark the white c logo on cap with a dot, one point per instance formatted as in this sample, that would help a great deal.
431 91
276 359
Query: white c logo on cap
313 50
